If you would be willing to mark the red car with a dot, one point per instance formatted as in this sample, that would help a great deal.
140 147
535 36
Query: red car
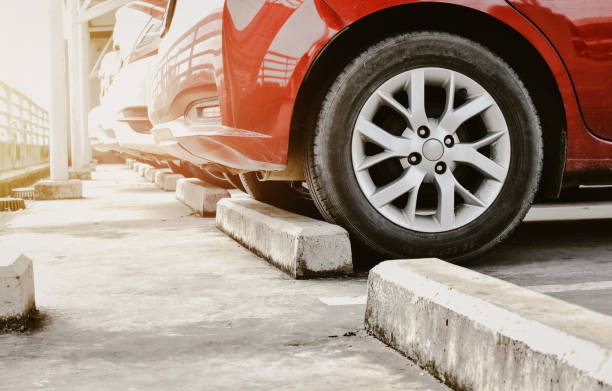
425 128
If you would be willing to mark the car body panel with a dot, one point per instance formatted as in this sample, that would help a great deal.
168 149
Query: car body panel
254 58
582 34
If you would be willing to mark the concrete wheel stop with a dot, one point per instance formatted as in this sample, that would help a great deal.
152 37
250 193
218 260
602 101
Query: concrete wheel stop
16 291
301 246
58 190
151 172
200 196
166 180
475 332
142 168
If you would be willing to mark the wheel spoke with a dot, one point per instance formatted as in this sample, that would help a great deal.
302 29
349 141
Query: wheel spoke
416 93
410 210
394 104
488 139
450 93
381 137
370 161
453 119
467 196
411 179
470 156
445 214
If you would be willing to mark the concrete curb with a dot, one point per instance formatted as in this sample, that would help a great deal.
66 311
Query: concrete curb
199 195
167 180
475 332
16 291
301 246
58 190
21 178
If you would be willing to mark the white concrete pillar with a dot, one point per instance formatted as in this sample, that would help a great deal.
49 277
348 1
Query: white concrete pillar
84 67
58 146
74 69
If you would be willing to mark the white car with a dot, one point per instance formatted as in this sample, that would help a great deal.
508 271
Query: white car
121 121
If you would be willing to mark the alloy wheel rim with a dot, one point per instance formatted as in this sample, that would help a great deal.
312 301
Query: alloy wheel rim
445 164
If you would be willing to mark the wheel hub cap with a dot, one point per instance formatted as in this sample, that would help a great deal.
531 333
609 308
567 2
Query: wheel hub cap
433 150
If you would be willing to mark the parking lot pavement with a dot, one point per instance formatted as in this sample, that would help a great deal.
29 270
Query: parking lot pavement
137 293
563 249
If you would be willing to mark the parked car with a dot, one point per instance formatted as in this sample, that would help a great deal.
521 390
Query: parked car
425 128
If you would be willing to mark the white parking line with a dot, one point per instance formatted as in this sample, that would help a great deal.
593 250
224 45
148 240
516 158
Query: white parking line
584 286
344 300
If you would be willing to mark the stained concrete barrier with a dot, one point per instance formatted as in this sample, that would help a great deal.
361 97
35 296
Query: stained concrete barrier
299 245
16 290
167 180
475 332
200 196
58 190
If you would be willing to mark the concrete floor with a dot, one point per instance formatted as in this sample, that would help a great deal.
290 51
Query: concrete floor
555 247
136 293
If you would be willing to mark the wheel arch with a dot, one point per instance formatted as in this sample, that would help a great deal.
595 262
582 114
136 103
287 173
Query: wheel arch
498 37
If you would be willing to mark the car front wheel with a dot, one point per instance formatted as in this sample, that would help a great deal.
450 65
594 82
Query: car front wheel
427 145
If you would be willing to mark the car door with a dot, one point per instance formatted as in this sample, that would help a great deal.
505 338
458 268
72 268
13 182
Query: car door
581 32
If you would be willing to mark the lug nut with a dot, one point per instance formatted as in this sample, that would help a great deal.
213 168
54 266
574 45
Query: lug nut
423 131
414 158
449 141
440 168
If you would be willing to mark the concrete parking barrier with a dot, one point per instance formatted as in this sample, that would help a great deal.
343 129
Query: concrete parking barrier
142 168
301 246
136 165
16 290
200 196
130 162
58 190
476 332
151 172
167 180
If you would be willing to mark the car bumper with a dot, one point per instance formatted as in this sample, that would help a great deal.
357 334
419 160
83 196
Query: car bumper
214 143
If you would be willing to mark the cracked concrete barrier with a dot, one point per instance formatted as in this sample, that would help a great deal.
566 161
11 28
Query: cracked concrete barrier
16 291
200 196
475 332
299 245
166 180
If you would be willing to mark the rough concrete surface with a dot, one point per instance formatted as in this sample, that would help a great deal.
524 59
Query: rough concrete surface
480 333
299 245
200 196
16 289
167 180
58 190
83 174
138 294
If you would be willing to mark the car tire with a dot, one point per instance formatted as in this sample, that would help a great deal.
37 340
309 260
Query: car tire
436 217
280 194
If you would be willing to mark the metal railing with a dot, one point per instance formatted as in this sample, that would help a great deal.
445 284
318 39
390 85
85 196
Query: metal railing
21 120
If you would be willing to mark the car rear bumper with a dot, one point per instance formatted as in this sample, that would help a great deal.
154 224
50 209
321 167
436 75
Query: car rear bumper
212 142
